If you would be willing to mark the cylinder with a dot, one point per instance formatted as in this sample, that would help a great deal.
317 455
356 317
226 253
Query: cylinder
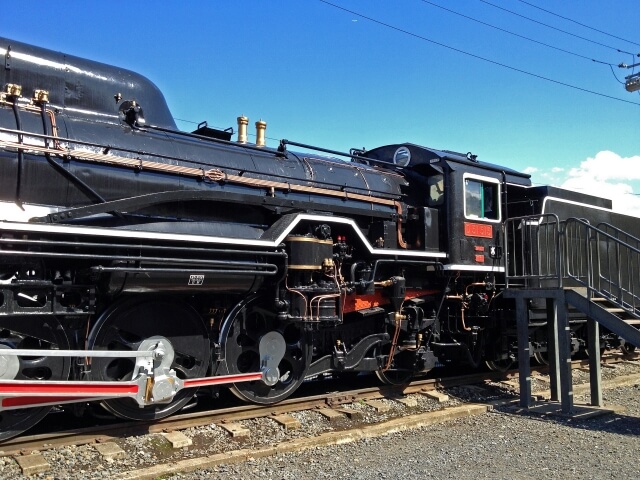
261 127
242 129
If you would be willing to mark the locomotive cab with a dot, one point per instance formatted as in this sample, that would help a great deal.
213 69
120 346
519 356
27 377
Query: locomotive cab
456 203
478 205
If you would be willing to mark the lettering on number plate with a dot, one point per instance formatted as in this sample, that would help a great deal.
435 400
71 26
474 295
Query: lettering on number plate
196 279
478 230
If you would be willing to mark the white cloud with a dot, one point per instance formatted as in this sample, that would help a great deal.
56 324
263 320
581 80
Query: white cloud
610 176
557 169
530 170
607 165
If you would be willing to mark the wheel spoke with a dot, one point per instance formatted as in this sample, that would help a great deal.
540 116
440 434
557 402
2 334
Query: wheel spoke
241 339
32 333
186 365
120 339
125 325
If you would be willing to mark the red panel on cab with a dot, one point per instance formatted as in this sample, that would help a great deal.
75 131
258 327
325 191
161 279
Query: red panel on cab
478 230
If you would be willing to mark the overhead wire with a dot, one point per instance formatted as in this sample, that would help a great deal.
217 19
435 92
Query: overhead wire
517 34
554 28
609 64
615 76
186 121
478 57
578 23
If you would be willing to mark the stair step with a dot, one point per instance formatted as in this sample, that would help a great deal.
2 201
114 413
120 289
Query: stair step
615 310
582 291
632 322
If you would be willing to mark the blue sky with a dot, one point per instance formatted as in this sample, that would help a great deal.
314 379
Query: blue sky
320 75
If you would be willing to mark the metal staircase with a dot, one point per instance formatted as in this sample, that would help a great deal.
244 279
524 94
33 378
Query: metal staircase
610 273
572 264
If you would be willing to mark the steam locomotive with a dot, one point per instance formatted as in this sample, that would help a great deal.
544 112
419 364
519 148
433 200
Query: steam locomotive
139 263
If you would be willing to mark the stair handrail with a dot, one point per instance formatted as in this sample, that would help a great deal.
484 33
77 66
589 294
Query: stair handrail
541 252
604 226
605 255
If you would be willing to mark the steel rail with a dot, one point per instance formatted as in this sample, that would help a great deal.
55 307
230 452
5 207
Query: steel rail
103 433
97 434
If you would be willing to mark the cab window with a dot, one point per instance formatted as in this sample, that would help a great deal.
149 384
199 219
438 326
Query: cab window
435 184
481 199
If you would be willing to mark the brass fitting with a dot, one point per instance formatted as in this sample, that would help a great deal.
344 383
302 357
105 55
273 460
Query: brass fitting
328 265
242 129
261 127
41 96
454 297
14 89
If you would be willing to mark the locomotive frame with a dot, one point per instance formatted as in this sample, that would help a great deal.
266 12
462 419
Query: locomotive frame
139 263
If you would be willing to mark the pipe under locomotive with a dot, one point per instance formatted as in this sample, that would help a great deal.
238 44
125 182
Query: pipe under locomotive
139 263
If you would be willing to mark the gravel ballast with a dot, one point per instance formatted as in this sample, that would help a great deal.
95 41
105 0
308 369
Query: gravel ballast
503 443
497 445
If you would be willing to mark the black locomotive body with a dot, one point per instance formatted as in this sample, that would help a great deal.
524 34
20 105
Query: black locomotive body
139 262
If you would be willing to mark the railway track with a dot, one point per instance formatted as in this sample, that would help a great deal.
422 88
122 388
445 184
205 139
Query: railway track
102 433
105 432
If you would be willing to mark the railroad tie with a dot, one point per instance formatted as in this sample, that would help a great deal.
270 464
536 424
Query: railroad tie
178 439
287 421
110 451
378 406
333 416
32 464
435 395
235 430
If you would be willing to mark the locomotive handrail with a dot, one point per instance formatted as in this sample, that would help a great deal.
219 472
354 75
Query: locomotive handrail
109 148
153 260
136 162
139 247
130 204
280 151
273 270
246 146
390 166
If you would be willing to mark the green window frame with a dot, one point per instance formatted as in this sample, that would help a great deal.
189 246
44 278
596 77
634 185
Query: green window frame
481 198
